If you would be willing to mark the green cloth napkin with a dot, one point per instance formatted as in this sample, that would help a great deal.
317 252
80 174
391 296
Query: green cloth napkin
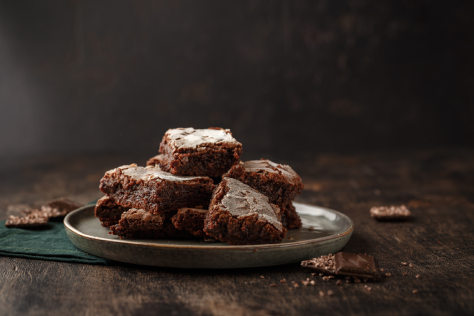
46 243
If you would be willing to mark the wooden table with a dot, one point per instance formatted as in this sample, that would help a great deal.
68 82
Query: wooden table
437 185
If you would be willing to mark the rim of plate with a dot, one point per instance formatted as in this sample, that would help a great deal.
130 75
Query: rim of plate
136 242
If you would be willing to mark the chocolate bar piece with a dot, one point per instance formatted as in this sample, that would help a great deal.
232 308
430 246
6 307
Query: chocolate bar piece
356 265
323 264
60 207
345 264
390 213
33 219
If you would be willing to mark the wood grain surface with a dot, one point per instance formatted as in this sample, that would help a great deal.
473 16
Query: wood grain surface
437 185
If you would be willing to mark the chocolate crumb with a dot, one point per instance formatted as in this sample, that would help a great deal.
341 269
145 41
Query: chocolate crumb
255 250
310 228
338 282
347 278
325 278
369 288
356 280
411 265
321 293
414 291
312 282
330 293
382 270
405 274
290 288
273 285
305 283
323 264
313 273
388 274
296 285
348 281
283 281
404 264
262 277
418 276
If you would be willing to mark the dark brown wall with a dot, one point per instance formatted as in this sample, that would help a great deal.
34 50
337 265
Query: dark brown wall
285 76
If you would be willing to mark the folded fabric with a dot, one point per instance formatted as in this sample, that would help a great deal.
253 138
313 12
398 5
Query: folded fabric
45 243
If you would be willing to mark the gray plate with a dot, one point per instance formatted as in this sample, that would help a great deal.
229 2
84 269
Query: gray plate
324 231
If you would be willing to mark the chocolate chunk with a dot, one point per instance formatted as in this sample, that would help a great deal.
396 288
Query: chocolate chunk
60 207
35 218
323 264
357 266
390 213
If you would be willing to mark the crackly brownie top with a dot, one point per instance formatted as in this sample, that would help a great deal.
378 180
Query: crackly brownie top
241 200
269 166
150 173
192 138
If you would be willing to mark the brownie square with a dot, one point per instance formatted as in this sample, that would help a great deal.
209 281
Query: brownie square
191 220
240 215
108 212
154 190
140 224
199 152
289 217
280 183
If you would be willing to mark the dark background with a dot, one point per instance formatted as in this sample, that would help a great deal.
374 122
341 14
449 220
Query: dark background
287 77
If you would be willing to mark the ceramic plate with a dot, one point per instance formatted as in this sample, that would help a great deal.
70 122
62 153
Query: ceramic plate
324 231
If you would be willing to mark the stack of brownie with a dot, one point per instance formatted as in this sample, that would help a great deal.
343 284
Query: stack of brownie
198 188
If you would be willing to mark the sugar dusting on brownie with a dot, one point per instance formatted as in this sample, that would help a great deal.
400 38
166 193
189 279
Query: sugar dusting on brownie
270 166
241 200
151 173
192 138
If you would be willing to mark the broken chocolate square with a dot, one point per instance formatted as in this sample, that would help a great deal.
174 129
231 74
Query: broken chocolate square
60 207
345 264
390 213
356 265
324 264
33 219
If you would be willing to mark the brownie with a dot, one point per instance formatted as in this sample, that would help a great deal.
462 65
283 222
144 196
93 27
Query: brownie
289 217
191 220
240 215
108 212
199 152
154 190
140 224
155 161
280 183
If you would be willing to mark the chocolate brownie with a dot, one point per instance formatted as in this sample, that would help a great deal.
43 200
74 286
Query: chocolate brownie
199 152
140 224
240 215
154 190
108 212
155 161
190 219
280 183
289 217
